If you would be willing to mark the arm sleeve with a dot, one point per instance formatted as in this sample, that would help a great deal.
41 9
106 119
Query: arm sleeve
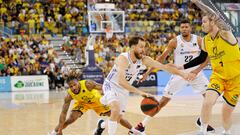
196 61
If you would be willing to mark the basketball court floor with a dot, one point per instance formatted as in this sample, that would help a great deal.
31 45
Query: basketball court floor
37 113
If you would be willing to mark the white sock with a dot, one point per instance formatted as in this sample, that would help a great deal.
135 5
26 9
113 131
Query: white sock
146 120
53 132
203 128
112 127
227 132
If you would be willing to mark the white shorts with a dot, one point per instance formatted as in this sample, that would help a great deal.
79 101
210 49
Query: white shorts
176 83
114 93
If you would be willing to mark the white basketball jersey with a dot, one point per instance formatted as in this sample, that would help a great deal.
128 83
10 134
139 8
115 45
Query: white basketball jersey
186 51
131 72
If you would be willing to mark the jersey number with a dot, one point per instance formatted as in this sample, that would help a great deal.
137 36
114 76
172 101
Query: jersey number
128 78
188 58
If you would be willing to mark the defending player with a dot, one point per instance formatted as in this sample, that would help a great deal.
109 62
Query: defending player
86 94
221 47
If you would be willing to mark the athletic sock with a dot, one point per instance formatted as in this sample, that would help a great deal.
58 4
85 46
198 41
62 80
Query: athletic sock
146 120
112 127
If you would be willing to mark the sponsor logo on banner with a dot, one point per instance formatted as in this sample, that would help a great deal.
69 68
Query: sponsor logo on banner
29 83
30 97
150 81
5 84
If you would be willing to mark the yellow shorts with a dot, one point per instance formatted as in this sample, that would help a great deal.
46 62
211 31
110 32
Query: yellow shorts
99 108
229 88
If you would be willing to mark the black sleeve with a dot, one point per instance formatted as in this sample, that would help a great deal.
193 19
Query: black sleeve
196 61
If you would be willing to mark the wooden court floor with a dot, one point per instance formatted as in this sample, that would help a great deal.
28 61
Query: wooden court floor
36 113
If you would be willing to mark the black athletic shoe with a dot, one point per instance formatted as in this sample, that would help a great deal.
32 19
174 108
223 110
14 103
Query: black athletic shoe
99 129
140 127
209 128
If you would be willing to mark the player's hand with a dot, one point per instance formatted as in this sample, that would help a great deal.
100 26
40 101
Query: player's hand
142 78
146 95
191 76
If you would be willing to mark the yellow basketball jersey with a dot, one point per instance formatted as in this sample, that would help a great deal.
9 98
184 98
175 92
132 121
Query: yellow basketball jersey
85 95
224 57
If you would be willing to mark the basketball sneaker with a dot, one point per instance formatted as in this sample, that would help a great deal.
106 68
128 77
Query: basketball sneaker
52 133
209 128
140 128
100 127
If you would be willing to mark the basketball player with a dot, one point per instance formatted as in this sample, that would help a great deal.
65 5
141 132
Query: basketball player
117 85
185 47
86 94
221 47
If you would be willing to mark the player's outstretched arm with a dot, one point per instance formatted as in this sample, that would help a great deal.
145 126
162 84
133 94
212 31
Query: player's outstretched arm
170 47
122 65
149 62
90 84
212 14
65 107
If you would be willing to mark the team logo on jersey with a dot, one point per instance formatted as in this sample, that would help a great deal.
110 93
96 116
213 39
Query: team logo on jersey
216 53
194 44
138 66
214 50
182 45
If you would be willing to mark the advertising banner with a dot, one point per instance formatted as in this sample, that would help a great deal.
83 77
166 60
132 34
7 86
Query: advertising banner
149 82
5 84
29 83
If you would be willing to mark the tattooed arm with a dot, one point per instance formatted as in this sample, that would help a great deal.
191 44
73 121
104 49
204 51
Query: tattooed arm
225 30
63 114
212 15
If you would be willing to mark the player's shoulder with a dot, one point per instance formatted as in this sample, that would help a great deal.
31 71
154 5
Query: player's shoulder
123 58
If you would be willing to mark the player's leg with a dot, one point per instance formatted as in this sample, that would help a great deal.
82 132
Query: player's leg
199 85
230 96
214 90
226 118
114 117
206 111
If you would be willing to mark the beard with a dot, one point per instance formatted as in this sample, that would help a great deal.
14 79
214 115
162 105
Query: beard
137 55
185 34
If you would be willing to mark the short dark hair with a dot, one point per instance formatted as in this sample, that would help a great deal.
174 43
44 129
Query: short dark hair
184 21
73 75
134 41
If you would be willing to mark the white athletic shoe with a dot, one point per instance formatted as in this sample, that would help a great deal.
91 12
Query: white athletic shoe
52 133
136 133
226 133
202 133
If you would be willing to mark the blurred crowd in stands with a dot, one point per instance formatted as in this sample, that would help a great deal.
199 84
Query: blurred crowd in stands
70 16
31 56
157 21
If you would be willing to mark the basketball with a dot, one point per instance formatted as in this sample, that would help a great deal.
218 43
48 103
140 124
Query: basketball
149 106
